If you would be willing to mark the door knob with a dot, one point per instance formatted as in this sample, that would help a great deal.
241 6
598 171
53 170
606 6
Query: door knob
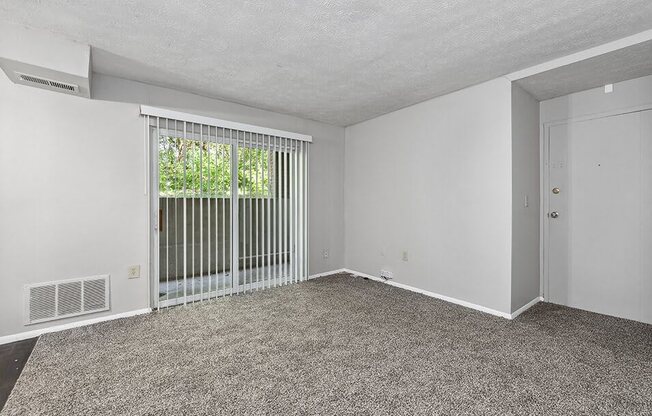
554 214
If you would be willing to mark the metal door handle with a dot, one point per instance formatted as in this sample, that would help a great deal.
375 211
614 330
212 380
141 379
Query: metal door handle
554 214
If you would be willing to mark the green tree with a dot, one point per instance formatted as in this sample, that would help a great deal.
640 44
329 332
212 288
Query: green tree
191 168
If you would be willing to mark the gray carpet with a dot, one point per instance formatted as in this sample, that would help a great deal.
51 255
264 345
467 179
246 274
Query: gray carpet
341 345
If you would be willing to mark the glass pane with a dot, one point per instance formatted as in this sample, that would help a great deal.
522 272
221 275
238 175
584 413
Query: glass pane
197 170
255 192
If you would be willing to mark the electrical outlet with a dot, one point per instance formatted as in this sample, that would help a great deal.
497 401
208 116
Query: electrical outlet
133 272
325 253
386 274
405 256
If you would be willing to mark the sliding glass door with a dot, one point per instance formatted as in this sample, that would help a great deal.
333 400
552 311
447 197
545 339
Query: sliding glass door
230 209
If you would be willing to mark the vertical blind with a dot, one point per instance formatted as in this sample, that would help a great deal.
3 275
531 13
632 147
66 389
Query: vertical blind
230 207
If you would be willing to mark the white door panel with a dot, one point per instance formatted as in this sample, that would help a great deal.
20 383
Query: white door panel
645 294
599 244
558 287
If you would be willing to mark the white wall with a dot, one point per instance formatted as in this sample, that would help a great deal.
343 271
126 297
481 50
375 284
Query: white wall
626 95
72 186
434 179
525 184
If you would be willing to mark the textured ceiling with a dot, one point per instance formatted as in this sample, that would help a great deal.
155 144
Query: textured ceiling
337 61
623 64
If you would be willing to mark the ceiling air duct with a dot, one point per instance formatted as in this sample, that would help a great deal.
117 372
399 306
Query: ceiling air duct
40 59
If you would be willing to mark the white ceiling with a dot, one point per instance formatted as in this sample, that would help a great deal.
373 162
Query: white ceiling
336 61
620 65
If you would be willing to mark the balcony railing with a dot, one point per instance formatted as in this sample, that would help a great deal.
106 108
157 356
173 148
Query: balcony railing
208 238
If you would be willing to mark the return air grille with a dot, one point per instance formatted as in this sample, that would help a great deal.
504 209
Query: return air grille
65 298
44 82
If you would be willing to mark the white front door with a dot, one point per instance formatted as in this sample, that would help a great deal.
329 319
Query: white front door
600 215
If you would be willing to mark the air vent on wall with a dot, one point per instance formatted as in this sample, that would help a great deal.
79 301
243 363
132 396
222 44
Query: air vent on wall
65 298
48 83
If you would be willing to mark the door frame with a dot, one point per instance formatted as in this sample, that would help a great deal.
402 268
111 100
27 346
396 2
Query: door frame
152 192
544 180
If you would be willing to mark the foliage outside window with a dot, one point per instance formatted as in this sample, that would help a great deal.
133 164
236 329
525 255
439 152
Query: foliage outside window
194 169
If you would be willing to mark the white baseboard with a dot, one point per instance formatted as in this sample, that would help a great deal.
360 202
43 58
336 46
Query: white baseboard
526 306
314 276
434 295
37 332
